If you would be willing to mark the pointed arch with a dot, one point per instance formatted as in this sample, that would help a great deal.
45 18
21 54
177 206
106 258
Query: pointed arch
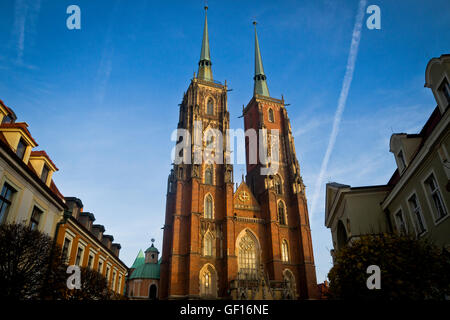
282 212
208 206
278 184
284 251
271 115
209 174
249 254
208 244
209 106
289 279
208 280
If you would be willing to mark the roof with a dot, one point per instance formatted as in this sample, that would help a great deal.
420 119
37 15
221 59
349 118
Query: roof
147 271
152 249
42 153
140 260
19 125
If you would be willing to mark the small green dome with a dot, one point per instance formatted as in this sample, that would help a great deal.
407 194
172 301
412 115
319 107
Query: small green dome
152 249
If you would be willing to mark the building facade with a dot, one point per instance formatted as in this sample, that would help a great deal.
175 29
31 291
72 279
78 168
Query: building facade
144 275
416 199
84 244
28 193
250 243
29 196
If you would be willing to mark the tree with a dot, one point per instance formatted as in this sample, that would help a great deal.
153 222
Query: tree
24 262
410 269
31 267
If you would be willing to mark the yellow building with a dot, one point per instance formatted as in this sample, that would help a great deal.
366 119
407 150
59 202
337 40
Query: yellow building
28 193
416 200
29 196
84 244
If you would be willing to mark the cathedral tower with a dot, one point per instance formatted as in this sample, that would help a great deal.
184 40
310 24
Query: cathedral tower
281 195
199 194
250 243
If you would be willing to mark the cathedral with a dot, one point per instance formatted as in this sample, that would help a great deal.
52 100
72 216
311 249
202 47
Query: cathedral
248 242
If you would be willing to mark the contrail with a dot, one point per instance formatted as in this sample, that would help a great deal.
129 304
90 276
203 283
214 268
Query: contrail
356 37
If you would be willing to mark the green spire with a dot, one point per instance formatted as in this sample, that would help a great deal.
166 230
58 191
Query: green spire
140 260
204 65
260 78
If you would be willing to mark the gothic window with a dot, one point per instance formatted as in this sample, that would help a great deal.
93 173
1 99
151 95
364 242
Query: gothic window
208 207
208 281
209 175
289 280
281 213
208 245
271 117
210 107
284 251
248 257
277 184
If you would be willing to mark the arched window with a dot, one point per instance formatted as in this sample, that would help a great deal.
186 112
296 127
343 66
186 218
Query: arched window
209 175
289 281
281 213
284 251
271 117
277 184
208 282
210 107
341 235
248 257
208 207
208 245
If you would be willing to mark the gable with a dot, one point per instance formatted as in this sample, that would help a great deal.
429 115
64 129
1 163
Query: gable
244 198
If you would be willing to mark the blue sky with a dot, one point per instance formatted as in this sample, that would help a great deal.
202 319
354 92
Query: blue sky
103 100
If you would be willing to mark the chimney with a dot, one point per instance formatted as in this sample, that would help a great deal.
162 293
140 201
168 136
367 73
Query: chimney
115 247
107 240
97 231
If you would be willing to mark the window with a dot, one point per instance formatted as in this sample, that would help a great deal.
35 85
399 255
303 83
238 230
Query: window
207 245
401 160
90 261
284 251
436 198
208 207
417 214
65 249
210 107
271 117
7 119
107 273
5 201
277 184
100 267
44 175
21 147
281 213
114 281
79 256
35 218
119 285
444 88
247 257
400 221
206 283
209 175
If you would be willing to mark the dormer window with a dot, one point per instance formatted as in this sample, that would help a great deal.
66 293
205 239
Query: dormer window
444 89
401 161
7 119
21 147
44 175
